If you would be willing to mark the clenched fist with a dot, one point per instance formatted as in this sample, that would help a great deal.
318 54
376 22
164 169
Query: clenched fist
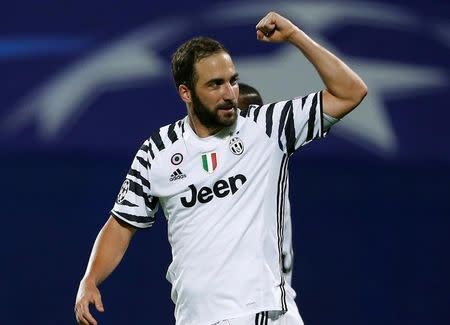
275 28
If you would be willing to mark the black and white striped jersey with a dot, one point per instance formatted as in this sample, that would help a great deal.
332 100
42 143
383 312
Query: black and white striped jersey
225 198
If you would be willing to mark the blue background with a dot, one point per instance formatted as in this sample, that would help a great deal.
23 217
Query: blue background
371 221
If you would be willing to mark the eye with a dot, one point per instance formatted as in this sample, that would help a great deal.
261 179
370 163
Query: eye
215 83
234 80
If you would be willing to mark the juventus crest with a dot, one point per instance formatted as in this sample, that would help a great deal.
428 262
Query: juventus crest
236 146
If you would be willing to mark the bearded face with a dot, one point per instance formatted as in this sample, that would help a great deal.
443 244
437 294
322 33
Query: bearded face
215 93
222 115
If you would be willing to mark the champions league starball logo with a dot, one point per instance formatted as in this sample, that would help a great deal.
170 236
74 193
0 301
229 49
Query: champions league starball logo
123 191
55 105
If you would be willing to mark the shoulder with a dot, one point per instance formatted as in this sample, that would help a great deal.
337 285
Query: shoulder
164 139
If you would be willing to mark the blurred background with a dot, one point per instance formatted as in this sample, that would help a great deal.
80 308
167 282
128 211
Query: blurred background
84 83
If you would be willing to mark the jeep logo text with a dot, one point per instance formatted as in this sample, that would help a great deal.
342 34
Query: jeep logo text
220 189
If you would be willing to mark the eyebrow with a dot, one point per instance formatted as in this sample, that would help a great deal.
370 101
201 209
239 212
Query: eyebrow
235 76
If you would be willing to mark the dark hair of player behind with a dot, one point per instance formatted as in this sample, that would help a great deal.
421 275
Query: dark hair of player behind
248 96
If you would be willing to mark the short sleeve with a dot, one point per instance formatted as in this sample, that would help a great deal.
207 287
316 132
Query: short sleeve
135 204
291 123
308 119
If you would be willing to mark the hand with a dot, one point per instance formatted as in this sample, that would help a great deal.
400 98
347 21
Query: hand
88 293
275 28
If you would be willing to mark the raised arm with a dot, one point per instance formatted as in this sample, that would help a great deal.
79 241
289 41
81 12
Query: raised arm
344 89
109 248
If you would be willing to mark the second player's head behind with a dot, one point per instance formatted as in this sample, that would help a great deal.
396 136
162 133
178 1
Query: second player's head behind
248 95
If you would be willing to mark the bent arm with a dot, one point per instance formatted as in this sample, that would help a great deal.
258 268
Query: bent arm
109 249
344 88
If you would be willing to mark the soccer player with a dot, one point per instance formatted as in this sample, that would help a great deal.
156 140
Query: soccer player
220 176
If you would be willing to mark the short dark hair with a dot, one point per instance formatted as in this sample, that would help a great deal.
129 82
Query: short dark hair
189 53
248 96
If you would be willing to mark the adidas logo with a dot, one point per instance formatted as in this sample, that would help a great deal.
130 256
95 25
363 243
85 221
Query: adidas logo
178 174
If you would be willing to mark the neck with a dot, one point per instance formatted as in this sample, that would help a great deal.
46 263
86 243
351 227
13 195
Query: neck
201 130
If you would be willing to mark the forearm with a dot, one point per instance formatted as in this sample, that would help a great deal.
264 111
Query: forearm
109 249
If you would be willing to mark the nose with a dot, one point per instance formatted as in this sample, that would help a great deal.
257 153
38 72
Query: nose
228 92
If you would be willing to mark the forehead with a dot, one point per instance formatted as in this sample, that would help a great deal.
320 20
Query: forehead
216 66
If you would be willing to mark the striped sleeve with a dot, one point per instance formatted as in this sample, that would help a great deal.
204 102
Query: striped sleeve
291 123
134 204
308 119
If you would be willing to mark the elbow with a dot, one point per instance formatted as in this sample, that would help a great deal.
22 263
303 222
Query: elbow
359 93
363 91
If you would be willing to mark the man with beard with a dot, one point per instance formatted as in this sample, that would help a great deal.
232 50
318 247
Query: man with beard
220 175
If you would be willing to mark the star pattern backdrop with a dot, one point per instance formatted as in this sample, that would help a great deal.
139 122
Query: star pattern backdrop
85 84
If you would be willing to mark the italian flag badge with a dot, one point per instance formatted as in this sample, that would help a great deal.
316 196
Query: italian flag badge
209 161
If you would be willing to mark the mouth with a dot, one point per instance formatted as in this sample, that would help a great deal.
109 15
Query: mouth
228 108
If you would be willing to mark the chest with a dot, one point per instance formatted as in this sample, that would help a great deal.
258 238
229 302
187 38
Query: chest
213 168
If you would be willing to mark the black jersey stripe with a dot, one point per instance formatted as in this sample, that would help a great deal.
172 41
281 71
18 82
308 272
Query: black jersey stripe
304 101
128 204
269 119
136 188
143 162
150 150
322 131
131 217
153 202
182 127
279 199
312 119
289 130
139 191
283 211
156 138
137 174
282 179
146 148
261 318
256 113
244 112
257 319
281 126
171 133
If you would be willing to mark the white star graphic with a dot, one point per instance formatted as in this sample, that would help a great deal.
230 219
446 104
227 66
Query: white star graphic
123 63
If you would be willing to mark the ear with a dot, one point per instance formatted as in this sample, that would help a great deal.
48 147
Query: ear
185 93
